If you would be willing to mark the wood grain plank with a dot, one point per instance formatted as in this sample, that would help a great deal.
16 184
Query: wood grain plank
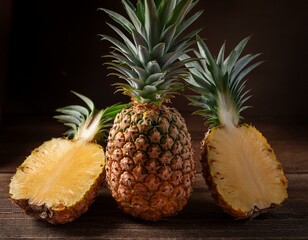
20 136
200 219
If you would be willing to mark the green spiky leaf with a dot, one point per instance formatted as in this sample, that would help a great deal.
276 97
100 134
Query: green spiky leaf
119 19
220 83
146 54
87 124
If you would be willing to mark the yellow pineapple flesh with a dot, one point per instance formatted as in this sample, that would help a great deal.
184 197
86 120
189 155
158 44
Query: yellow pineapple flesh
59 180
242 170
239 166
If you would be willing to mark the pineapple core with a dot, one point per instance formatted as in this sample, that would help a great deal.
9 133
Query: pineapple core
245 169
58 173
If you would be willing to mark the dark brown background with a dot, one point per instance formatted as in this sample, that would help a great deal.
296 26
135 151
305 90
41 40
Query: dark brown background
50 47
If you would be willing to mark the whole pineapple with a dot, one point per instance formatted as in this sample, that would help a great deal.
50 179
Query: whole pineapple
61 178
239 166
150 167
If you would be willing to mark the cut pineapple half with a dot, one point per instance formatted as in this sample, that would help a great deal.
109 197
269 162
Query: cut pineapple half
61 178
60 174
243 170
239 166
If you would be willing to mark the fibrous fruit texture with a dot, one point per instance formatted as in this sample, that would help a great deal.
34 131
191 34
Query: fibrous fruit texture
239 165
61 178
245 181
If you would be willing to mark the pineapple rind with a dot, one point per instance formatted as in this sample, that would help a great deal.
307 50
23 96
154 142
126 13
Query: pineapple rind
215 188
149 155
149 164
58 213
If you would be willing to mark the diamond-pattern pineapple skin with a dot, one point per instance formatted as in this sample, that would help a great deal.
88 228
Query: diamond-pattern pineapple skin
150 167
269 174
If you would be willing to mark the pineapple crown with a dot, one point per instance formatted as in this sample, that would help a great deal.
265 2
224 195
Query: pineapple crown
88 124
152 42
220 83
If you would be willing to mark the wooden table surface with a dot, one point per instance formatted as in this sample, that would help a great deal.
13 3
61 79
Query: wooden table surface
201 218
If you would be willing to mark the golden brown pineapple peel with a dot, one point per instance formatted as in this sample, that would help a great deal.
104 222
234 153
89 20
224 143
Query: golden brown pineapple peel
149 154
149 166
242 171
